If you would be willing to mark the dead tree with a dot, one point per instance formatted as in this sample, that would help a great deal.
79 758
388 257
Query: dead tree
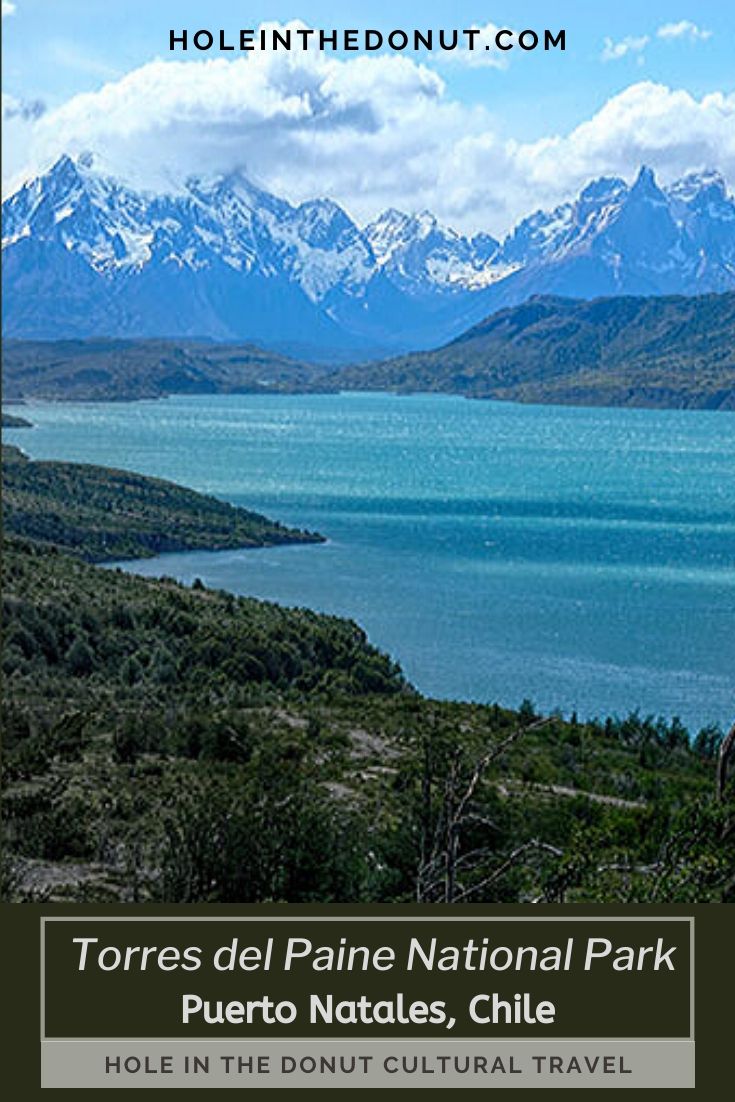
726 751
440 862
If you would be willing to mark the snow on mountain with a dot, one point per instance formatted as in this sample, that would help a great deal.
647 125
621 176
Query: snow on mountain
321 249
418 253
85 255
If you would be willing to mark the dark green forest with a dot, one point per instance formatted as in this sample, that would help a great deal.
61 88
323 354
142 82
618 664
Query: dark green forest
166 743
667 353
102 514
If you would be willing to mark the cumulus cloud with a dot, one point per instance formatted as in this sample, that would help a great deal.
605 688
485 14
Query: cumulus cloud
369 131
647 123
485 53
683 29
614 51
301 122
7 8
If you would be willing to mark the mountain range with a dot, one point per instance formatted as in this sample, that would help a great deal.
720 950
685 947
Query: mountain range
85 255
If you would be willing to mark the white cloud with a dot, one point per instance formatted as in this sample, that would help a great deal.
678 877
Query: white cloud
684 29
370 131
7 8
485 53
635 45
614 51
647 123
13 108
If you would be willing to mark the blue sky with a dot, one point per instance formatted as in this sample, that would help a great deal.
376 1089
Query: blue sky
485 116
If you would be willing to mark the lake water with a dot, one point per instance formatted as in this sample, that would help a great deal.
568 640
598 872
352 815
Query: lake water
584 558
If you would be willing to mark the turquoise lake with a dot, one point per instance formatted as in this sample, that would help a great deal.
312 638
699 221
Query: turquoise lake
583 558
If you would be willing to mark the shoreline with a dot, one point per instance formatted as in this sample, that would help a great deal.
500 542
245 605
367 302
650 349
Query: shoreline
326 392
127 566
355 609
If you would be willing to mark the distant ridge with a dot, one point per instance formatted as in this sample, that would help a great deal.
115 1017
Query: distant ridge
85 255
104 369
670 352
667 352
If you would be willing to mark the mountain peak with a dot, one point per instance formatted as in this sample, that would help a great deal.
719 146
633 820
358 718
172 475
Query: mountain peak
603 188
324 208
695 184
64 182
86 173
645 185
82 166
63 164
64 171
88 252
322 223
392 216
235 182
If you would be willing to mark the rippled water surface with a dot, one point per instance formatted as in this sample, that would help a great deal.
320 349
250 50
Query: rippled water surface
582 558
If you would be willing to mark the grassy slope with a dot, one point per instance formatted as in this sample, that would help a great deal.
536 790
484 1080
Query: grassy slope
103 514
661 352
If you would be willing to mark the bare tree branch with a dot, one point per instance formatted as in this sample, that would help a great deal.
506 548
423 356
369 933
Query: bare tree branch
511 859
726 750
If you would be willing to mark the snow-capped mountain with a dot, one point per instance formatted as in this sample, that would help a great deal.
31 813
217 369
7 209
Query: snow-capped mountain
85 255
618 239
417 253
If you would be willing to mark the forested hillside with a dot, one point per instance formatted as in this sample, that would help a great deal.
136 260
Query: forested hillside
181 744
103 514
109 370
12 421
676 353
